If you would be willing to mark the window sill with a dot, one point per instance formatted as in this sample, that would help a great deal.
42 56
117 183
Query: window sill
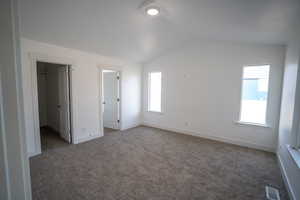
155 112
252 124
295 153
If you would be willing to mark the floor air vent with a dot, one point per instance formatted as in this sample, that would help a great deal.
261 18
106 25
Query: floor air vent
272 193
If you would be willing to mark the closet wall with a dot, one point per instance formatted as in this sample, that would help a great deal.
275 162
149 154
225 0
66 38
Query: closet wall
48 94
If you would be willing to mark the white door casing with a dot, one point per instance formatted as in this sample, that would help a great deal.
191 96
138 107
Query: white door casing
64 103
40 57
111 100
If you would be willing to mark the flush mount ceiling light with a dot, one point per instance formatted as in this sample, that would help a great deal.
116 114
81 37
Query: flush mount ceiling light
152 11
151 8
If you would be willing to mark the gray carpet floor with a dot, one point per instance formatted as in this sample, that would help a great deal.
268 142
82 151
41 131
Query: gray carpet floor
146 163
109 130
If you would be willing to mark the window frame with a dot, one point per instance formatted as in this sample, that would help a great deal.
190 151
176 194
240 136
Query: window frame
298 141
266 124
297 135
294 147
149 93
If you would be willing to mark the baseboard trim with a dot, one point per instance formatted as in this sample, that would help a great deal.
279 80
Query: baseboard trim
86 139
285 178
32 154
130 127
216 138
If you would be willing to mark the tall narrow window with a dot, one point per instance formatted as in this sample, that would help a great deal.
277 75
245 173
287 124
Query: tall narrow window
154 92
255 94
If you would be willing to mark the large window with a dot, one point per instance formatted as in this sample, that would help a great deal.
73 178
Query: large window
255 94
154 92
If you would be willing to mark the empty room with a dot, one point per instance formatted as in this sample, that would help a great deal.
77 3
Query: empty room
150 99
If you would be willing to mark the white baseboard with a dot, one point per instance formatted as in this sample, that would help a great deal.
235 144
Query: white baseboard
85 139
285 178
80 140
217 138
129 127
31 154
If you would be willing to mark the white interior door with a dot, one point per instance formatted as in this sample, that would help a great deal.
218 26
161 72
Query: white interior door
64 101
111 100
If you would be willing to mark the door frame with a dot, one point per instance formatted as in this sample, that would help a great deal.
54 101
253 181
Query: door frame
37 57
101 99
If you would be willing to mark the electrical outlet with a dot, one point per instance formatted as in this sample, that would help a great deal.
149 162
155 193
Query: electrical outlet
186 123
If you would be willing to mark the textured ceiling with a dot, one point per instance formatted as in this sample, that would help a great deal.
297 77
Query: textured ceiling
119 28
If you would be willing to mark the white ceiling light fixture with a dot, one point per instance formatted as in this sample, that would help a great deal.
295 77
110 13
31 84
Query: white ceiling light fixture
151 8
152 11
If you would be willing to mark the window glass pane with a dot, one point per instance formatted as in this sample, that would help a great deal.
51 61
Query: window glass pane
255 94
155 91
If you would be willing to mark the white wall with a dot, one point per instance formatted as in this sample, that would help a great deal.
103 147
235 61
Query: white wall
86 89
289 117
52 94
202 90
14 167
42 93
48 94
131 95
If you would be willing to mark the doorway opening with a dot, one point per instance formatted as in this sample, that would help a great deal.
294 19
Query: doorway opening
111 101
53 85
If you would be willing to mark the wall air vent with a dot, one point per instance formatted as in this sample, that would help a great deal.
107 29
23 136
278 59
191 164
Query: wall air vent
272 193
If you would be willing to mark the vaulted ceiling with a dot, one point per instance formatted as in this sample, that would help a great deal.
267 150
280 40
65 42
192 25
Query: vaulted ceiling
120 28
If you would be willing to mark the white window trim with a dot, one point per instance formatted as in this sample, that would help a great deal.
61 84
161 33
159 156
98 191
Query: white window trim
297 135
155 112
253 124
298 141
294 149
295 154
148 93
265 125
